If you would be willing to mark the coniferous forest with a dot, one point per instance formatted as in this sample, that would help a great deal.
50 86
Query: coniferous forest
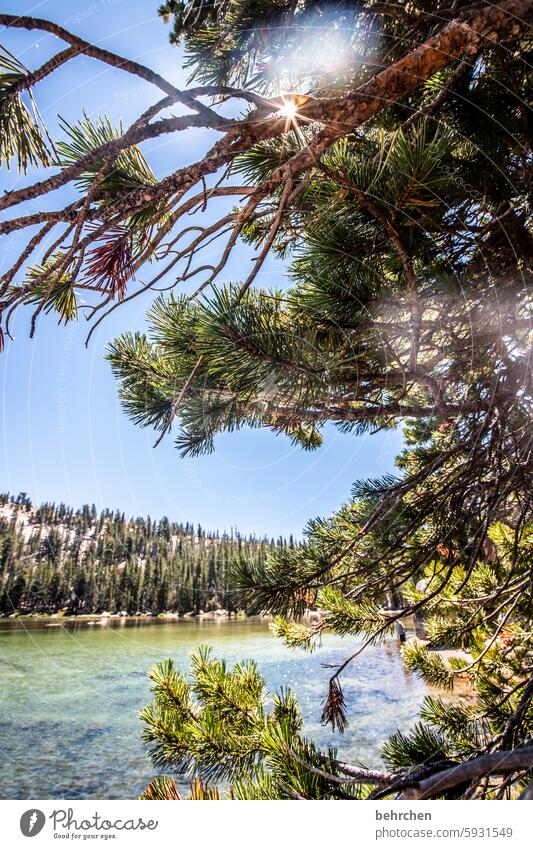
57 559
382 152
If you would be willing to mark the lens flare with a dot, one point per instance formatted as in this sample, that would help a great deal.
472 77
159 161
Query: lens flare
288 110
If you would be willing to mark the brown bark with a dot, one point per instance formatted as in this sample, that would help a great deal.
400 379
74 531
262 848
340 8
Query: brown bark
113 59
461 38
493 764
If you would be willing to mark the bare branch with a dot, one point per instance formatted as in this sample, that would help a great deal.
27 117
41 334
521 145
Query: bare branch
495 763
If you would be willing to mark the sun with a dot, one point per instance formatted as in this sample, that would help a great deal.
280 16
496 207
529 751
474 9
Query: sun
288 110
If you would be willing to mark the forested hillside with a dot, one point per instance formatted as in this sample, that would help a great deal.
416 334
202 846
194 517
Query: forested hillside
54 558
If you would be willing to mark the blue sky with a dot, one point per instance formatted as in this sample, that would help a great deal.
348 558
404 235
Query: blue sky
63 434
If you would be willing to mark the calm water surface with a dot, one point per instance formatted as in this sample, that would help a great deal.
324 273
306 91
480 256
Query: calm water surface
69 698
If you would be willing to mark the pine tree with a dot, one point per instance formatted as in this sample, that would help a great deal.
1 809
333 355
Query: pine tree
309 75
217 725
79 562
397 186
410 250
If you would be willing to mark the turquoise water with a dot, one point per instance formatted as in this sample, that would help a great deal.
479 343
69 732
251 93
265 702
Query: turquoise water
69 698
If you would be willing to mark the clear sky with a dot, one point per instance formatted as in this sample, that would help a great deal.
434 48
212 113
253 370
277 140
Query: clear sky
63 434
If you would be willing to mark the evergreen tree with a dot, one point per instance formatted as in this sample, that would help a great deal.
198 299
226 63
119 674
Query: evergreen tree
411 250
217 725
81 562
397 185
299 77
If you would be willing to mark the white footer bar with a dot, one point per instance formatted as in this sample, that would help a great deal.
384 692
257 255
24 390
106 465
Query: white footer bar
265 825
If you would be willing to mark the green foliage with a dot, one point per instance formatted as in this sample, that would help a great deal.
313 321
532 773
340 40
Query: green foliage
344 616
411 253
375 214
383 220
20 133
54 288
258 42
222 725
162 788
294 634
129 171
421 745
462 724
429 665
81 562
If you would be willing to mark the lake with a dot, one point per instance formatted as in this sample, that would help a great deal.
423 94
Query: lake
70 697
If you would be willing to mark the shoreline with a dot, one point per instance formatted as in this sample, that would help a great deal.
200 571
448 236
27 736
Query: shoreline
55 619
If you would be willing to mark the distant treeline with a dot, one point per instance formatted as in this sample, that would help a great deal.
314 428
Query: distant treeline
54 558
